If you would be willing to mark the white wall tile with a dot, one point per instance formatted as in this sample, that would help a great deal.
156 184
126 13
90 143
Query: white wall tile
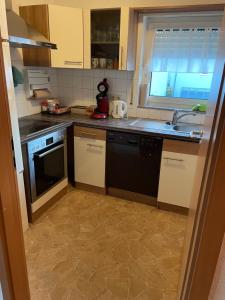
166 115
84 83
130 75
87 83
79 87
25 106
132 112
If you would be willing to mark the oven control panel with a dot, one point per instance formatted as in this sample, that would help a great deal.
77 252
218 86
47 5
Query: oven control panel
46 141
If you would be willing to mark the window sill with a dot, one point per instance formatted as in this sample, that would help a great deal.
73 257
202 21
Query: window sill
170 109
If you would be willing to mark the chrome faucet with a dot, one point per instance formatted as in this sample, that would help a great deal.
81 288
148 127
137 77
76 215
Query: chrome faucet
176 117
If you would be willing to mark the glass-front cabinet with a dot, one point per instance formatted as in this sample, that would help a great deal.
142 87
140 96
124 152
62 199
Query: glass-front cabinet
105 39
110 38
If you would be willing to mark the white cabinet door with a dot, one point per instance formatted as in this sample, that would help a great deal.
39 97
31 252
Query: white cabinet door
90 161
66 30
128 38
177 178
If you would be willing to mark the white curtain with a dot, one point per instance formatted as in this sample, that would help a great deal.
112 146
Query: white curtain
191 50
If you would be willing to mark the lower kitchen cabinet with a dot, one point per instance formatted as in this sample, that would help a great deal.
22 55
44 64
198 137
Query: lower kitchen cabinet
177 174
90 155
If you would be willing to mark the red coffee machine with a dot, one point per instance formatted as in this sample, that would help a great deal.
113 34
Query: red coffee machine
102 109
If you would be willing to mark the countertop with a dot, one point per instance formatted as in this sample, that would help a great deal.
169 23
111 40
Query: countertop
143 126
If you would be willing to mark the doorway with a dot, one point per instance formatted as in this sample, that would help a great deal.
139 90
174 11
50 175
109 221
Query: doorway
215 126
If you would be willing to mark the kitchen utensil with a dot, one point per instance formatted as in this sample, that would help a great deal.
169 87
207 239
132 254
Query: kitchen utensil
59 110
102 110
116 63
44 106
41 94
109 63
119 109
52 104
102 63
95 62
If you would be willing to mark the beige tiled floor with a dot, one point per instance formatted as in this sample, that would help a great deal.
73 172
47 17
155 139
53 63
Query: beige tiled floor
90 246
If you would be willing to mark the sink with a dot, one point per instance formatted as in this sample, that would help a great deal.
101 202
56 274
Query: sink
188 128
151 124
167 126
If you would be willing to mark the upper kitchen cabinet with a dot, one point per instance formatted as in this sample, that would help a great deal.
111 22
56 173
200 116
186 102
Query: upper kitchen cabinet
61 25
109 39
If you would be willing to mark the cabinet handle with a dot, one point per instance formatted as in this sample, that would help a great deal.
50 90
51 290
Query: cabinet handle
174 159
70 62
121 57
96 146
49 151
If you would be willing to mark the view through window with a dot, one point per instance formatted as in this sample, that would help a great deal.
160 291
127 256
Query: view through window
180 85
179 57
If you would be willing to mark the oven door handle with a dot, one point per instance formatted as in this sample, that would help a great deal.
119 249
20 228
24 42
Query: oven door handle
49 151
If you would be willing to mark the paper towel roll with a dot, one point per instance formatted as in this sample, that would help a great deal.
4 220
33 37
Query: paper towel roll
41 94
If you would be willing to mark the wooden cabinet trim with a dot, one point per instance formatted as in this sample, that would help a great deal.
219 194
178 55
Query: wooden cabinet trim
91 133
190 148
90 188
173 208
31 14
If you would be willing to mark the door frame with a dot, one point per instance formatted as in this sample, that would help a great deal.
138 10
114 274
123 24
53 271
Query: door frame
209 228
209 224
13 270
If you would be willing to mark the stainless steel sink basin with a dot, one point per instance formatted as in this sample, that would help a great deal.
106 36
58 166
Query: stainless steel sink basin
187 128
151 124
167 126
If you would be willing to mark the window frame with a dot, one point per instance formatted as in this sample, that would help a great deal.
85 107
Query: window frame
147 24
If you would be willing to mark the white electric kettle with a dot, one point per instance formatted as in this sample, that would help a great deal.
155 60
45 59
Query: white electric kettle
119 109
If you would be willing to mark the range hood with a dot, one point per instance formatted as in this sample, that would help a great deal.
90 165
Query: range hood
21 35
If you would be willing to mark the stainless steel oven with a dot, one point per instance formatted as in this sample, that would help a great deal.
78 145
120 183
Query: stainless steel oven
46 163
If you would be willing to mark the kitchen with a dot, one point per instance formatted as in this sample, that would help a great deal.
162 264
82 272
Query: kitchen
122 149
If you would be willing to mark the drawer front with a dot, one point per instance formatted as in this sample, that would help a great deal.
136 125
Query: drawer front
178 147
90 161
177 176
91 133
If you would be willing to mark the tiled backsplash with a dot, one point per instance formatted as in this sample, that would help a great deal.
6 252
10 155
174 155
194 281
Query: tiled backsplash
24 106
79 87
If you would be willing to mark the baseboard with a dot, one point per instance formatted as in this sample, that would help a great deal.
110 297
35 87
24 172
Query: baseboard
48 204
49 195
136 197
90 188
173 208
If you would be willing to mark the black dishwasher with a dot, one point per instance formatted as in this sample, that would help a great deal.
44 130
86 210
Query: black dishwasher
133 162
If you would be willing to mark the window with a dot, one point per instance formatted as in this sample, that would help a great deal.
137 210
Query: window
178 60
180 85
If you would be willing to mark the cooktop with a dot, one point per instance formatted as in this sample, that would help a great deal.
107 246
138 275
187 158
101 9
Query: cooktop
31 126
